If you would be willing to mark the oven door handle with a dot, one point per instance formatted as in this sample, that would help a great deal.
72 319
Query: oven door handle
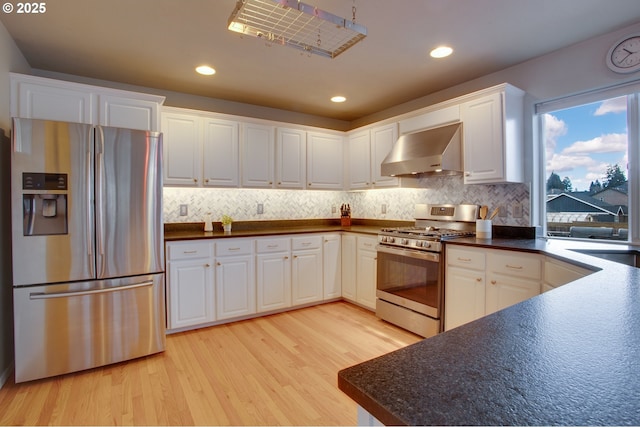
424 255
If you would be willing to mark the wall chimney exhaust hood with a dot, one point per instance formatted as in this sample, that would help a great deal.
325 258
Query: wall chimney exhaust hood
431 151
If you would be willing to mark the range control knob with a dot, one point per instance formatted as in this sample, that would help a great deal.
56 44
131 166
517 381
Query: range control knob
383 239
418 243
426 244
405 241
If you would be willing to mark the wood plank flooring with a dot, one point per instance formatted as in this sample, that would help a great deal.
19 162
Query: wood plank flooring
274 370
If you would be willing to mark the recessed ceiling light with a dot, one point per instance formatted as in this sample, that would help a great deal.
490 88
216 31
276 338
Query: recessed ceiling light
205 70
338 99
441 52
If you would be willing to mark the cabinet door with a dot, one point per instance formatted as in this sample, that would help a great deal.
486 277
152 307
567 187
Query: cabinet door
324 161
52 100
366 275
257 155
306 275
464 296
190 287
360 160
182 149
504 291
291 158
349 257
235 286
483 139
332 266
558 273
130 113
382 140
274 281
221 153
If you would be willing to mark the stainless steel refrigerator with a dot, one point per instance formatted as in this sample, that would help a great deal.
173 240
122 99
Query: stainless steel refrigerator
87 246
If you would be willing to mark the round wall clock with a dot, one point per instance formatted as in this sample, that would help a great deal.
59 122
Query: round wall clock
624 55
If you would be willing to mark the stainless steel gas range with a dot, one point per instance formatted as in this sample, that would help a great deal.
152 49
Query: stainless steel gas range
410 272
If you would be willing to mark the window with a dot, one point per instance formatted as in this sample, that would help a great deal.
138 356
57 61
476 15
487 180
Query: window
587 169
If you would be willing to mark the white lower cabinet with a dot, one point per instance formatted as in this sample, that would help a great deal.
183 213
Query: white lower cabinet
465 286
190 284
480 281
558 273
359 269
219 280
235 278
349 257
306 269
366 271
332 266
273 274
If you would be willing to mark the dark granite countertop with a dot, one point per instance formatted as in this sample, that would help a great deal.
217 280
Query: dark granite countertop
570 356
189 231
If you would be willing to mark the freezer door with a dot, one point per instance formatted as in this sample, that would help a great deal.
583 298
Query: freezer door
129 235
51 202
71 327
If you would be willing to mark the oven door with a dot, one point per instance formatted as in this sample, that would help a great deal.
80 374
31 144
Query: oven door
410 278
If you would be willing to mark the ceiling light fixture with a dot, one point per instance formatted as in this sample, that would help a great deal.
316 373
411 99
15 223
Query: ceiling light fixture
205 70
338 99
296 24
441 52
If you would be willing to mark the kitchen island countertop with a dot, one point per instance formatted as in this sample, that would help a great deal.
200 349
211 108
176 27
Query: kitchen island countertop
568 356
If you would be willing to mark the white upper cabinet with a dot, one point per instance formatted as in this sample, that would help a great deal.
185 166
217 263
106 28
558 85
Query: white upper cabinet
182 146
49 99
324 161
493 136
291 158
360 160
257 155
128 112
382 140
199 149
367 150
221 157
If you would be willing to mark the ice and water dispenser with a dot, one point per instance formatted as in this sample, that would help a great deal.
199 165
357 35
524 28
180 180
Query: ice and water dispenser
44 201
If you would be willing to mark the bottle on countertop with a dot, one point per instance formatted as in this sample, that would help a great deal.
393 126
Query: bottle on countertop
208 222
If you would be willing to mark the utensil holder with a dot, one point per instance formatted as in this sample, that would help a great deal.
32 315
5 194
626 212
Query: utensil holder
345 221
483 228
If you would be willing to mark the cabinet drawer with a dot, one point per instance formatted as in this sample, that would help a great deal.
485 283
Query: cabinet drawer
367 243
233 247
466 258
273 245
190 249
516 265
307 242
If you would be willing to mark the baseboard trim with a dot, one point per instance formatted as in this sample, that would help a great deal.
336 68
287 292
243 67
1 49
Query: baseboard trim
6 374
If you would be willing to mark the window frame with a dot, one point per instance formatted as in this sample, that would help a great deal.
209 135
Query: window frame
632 92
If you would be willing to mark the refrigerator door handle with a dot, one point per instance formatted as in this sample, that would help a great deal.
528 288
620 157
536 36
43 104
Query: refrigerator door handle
89 218
99 209
42 295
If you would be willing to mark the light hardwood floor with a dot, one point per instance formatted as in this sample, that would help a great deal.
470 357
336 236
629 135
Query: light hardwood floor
274 370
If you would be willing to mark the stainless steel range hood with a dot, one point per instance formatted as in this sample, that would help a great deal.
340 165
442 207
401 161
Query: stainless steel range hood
431 151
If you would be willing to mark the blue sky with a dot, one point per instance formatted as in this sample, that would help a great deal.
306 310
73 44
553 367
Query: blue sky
582 141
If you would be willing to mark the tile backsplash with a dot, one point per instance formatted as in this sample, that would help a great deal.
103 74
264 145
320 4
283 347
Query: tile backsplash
242 204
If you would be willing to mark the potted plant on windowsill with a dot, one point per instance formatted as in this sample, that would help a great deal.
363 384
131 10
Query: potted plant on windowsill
226 223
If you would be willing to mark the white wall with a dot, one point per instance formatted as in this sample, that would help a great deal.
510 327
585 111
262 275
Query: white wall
10 60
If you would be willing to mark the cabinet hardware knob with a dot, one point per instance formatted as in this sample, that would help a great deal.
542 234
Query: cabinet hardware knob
479 279
207 265
493 282
286 257
218 263
195 179
206 180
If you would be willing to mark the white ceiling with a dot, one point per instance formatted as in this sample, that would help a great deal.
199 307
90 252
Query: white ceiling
157 43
